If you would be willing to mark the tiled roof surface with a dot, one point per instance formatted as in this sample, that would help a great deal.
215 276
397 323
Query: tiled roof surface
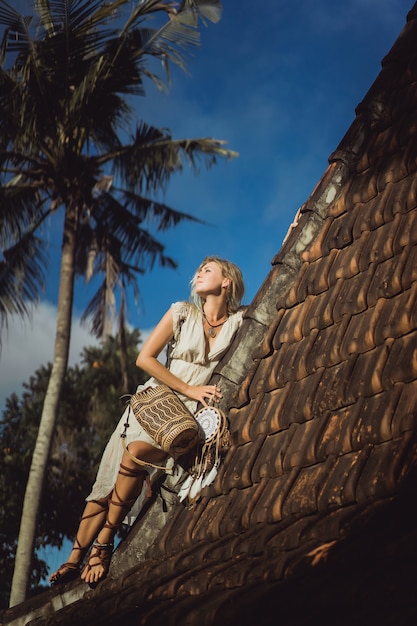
312 516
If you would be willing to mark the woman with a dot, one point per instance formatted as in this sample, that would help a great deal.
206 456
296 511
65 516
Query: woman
201 332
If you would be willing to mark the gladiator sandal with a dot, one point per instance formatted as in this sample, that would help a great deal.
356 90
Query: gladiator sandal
100 556
125 503
101 552
70 571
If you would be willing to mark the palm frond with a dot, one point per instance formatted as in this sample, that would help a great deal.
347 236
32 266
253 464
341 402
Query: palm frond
122 232
17 25
21 277
152 212
21 211
179 35
153 156
191 11
96 311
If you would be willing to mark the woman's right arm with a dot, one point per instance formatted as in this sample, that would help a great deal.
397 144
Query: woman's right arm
147 360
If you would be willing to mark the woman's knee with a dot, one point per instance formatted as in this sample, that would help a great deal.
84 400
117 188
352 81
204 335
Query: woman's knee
145 452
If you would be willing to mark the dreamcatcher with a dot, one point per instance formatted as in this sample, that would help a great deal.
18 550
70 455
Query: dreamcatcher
215 437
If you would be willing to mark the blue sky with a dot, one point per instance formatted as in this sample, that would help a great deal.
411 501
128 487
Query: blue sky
279 80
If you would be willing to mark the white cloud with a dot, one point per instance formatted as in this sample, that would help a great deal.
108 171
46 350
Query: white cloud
29 344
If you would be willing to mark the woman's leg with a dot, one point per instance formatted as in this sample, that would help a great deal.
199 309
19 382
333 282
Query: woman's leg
92 520
126 490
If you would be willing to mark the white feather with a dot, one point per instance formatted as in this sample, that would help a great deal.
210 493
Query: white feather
195 488
185 488
211 476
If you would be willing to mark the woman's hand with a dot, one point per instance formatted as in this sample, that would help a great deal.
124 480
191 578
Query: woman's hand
203 393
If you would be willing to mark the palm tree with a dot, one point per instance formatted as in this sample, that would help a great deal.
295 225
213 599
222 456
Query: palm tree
66 150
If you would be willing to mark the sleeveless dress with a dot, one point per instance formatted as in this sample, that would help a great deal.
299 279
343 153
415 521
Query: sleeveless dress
190 362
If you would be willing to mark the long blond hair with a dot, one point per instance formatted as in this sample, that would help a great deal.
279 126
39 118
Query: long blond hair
235 290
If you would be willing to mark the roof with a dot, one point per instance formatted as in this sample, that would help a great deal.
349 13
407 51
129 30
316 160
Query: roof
311 516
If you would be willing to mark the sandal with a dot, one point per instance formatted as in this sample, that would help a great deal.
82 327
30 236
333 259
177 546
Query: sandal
65 573
101 553
71 570
100 556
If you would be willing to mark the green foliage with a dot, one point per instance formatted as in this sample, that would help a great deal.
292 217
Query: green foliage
89 409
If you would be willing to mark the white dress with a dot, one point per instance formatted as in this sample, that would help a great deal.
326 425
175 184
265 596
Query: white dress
190 363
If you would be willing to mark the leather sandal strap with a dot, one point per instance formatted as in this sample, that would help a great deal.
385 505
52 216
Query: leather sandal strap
130 472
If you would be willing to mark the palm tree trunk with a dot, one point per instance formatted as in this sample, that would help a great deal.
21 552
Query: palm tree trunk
32 499
123 345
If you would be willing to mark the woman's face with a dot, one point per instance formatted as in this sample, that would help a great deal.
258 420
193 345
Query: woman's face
210 280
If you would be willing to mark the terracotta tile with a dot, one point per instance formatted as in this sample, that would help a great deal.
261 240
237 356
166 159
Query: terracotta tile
302 498
266 347
374 423
395 171
386 465
334 391
406 234
352 297
297 362
406 126
368 219
315 279
328 527
405 417
392 201
240 423
340 233
379 245
276 373
363 188
262 381
289 541
363 163
291 327
321 312
325 351
290 297
338 207
207 514
272 417
241 396
367 376
401 364
269 507
220 486
411 200
298 403
410 269
360 333
384 144
267 465
346 263
401 199
386 281
339 488
237 471
302 449
254 540
315 250
237 509
397 316
336 436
